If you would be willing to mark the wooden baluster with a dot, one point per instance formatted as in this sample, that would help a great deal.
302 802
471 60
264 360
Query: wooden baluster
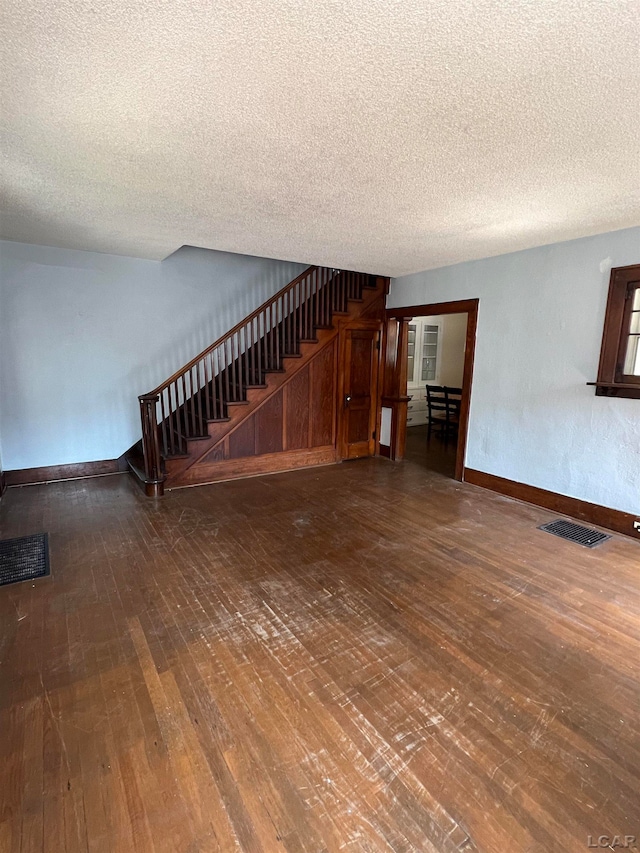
280 336
293 341
192 392
162 424
314 299
237 361
170 406
166 424
327 296
285 322
198 367
217 384
225 348
242 334
245 360
323 312
208 381
234 369
258 339
183 411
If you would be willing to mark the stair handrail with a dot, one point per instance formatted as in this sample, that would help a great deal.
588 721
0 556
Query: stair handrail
223 338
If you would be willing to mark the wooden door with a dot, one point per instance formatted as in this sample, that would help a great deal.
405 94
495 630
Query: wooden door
359 400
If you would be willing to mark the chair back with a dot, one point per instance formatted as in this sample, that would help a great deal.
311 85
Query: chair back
453 397
436 400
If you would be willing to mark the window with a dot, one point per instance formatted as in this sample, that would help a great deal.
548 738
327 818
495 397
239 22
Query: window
619 370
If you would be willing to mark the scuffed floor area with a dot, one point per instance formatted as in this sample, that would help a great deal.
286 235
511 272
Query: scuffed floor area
364 657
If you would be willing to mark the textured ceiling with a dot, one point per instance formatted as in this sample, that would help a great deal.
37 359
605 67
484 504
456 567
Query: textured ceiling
387 136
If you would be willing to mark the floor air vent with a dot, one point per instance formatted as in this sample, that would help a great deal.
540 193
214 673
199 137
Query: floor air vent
24 559
575 533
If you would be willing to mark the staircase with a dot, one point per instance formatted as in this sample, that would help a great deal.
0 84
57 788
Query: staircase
187 420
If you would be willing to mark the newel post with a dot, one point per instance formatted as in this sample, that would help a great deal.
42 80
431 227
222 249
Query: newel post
154 477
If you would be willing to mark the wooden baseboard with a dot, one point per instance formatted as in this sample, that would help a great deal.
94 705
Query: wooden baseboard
251 466
75 471
612 519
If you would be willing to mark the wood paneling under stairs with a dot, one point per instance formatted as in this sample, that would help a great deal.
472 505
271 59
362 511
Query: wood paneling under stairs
363 657
294 427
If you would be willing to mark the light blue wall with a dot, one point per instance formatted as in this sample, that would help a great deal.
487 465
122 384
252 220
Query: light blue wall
83 334
533 419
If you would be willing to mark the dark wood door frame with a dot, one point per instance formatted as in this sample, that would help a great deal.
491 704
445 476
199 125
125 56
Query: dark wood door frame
463 306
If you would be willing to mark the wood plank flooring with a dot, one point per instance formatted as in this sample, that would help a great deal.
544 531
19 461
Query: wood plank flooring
436 454
364 657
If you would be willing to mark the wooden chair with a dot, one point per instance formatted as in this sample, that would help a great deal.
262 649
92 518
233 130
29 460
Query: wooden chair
453 397
436 409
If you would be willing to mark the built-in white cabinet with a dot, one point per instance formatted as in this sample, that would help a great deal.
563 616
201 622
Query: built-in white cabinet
423 365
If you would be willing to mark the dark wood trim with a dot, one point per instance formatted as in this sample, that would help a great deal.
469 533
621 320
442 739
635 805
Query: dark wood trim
467 379
612 519
461 306
74 471
616 389
611 381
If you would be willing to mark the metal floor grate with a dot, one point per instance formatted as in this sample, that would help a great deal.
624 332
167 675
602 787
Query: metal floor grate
575 533
24 559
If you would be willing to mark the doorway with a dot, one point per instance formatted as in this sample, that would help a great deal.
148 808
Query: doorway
420 354
435 376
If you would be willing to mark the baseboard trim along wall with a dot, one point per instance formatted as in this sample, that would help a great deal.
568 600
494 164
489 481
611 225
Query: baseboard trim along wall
612 519
75 471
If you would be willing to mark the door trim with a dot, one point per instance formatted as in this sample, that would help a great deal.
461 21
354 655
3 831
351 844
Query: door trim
462 306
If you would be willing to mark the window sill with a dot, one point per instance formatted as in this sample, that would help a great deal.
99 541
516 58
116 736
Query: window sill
616 389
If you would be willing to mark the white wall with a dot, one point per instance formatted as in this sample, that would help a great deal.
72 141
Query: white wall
82 334
533 419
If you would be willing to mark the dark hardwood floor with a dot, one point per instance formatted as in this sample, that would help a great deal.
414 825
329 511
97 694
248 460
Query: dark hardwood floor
363 657
434 454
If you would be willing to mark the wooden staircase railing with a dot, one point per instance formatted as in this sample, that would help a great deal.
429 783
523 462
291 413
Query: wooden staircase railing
181 408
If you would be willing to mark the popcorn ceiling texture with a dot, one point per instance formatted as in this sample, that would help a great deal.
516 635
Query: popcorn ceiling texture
384 137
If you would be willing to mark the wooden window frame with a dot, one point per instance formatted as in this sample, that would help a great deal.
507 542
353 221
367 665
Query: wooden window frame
612 382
